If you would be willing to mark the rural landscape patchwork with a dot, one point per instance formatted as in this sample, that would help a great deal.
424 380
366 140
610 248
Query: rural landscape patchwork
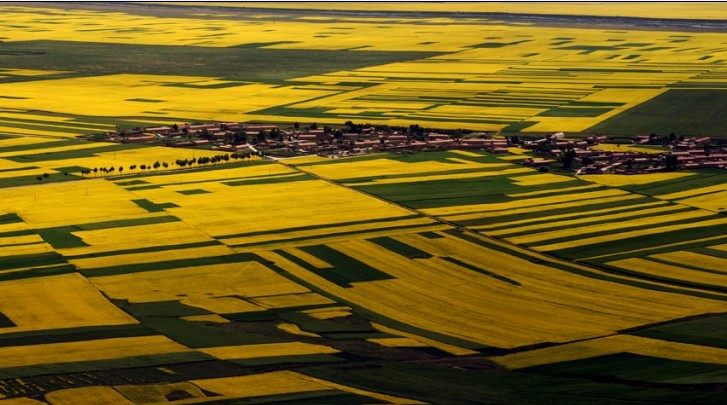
363 203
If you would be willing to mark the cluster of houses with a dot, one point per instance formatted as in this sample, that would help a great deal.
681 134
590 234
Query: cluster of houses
317 141
686 153
270 138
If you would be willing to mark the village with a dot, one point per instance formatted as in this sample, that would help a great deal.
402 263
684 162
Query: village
550 150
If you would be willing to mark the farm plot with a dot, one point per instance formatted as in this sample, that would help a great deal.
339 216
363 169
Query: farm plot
473 74
444 272
320 210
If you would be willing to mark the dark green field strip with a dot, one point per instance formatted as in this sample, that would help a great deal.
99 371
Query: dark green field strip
709 330
637 368
555 225
656 249
10 218
454 192
700 178
358 335
29 180
331 234
5 322
166 265
352 160
324 326
160 308
669 280
12 234
50 126
42 337
138 183
270 180
346 270
139 188
595 233
31 260
688 112
66 125
153 207
70 154
198 334
18 169
483 382
38 272
109 364
38 146
654 241
541 217
251 64
193 191
575 112
722 254
269 315
325 397
486 172
564 266
128 182
365 312
401 248
288 360
482 271
595 220
168 249
313 227
431 235
61 237
690 266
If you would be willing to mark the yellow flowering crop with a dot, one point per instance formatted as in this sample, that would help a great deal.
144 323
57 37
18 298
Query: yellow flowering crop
68 301
266 350
87 395
615 344
88 350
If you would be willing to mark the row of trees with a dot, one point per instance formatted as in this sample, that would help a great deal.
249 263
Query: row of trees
200 162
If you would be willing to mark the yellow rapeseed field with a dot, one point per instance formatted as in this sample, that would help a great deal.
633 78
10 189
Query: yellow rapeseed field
267 350
271 383
489 76
87 395
89 350
618 180
629 234
156 393
491 311
615 344
672 272
611 226
64 301
708 262
249 279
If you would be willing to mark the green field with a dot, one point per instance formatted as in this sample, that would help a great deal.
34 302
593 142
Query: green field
445 277
688 112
